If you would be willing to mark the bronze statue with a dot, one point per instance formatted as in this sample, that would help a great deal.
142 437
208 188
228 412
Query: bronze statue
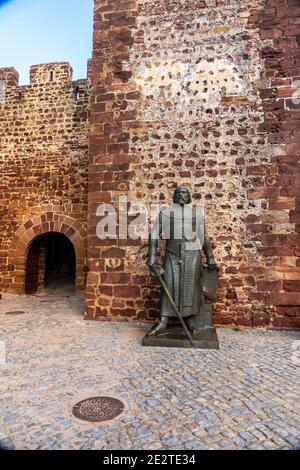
185 281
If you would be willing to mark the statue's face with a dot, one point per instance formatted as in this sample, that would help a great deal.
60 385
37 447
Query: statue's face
182 196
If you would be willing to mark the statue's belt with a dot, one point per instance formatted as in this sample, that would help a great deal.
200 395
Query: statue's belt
179 247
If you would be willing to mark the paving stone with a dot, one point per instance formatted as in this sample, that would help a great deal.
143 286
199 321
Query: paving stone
255 447
6 444
194 445
247 436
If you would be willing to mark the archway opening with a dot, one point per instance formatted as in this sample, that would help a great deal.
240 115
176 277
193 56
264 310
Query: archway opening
50 264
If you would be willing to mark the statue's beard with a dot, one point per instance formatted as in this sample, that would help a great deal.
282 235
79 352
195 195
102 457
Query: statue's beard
181 201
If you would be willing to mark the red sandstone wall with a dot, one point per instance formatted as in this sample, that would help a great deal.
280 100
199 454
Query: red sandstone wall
275 183
199 92
43 164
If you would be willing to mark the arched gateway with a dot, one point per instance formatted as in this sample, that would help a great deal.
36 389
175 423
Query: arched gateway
30 261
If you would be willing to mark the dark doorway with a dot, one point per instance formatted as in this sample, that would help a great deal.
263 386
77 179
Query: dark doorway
51 264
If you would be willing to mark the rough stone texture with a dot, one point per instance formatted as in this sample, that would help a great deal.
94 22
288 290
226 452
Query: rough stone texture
275 183
199 92
188 91
244 396
43 164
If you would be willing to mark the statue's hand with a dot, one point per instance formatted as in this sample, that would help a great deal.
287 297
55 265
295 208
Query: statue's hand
211 264
151 262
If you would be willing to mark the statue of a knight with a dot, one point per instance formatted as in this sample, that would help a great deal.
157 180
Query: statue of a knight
183 228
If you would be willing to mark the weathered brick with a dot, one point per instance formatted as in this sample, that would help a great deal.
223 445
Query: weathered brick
126 291
284 298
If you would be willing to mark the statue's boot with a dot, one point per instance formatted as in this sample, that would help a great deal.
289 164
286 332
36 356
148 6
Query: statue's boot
160 328
192 325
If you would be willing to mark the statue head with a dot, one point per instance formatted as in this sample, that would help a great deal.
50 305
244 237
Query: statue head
182 196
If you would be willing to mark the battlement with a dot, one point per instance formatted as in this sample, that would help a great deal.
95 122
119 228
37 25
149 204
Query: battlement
52 76
9 78
53 72
58 72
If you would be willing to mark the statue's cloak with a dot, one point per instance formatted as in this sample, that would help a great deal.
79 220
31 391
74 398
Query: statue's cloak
184 231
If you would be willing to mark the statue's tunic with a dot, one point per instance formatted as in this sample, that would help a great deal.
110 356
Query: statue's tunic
184 230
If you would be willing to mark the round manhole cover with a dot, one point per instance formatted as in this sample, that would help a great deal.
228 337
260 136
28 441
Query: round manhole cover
98 409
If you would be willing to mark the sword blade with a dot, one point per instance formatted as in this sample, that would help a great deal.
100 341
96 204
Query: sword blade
173 305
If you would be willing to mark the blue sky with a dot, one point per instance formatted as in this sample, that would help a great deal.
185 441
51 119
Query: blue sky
41 31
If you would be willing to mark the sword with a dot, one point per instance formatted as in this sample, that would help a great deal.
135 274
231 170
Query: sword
172 303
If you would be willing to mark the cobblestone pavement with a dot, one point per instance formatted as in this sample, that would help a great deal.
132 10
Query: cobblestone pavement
245 396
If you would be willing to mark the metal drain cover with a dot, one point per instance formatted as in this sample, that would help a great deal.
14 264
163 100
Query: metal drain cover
17 312
98 409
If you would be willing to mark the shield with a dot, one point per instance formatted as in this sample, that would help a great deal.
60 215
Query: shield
210 283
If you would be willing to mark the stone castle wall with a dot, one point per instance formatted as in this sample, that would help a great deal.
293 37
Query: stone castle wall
201 93
204 93
44 129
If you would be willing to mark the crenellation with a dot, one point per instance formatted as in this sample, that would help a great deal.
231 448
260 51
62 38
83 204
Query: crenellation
9 80
10 76
54 72
2 91
47 89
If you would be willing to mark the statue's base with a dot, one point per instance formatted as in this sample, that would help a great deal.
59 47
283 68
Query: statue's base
206 338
